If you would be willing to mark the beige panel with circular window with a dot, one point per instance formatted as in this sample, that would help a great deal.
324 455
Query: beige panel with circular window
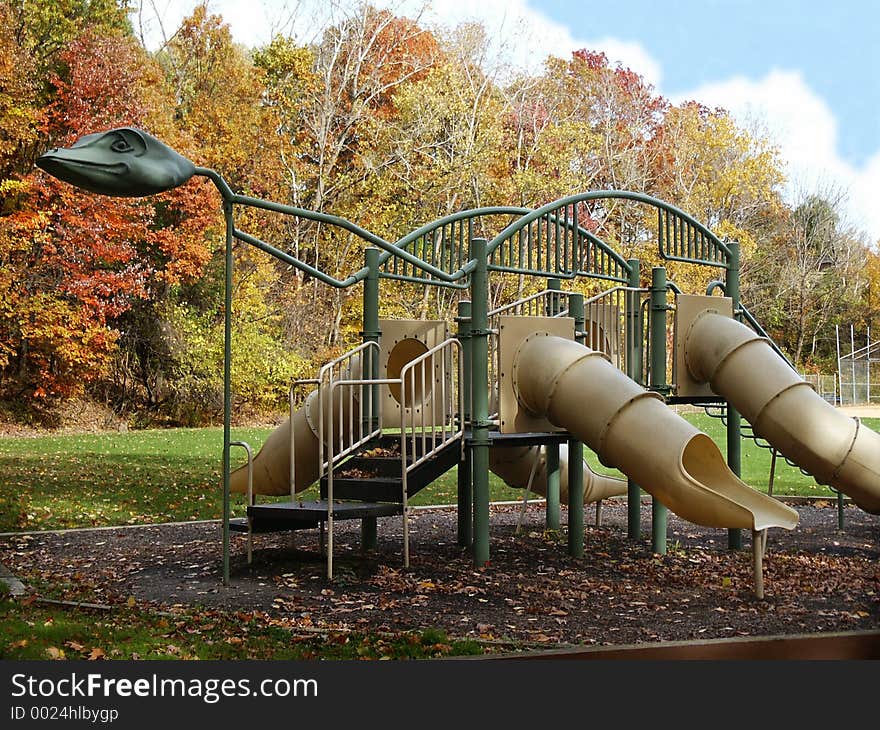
403 341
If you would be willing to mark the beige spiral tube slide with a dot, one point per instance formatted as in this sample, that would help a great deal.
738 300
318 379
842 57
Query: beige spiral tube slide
514 466
634 431
272 462
783 409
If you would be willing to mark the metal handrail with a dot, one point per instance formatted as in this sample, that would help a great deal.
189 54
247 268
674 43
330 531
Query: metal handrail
451 344
250 494
623 327
418 432
526 300
326 371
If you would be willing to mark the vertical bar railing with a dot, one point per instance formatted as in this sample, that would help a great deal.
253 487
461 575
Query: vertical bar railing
443 415
249 495
338 431
548 302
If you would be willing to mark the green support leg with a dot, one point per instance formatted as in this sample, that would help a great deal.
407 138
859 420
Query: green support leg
480 399
552 455
227 386
734 436
576 452
734 461
658 383
633 510
575 498
370 397
633 369
465 493
369 534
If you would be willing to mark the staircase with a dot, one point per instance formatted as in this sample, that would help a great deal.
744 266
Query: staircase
368 472
367 484
375 474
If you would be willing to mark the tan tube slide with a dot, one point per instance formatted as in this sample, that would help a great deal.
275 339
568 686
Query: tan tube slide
514 466
272 462
634 431
783 409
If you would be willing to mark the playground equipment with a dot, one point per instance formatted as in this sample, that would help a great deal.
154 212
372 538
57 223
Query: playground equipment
516 384
784 409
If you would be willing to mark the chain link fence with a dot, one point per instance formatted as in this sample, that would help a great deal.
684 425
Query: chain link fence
858 370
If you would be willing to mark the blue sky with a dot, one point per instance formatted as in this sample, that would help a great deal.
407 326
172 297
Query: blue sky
805 73
835 44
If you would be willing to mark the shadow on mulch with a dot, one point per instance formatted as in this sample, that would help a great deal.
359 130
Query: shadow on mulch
816 578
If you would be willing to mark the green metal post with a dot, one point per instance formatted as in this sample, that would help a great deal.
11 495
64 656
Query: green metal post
227 384
576 453
554 285
371 333
633 369
480 399
658 382
551 452
840 511
734 439
465 494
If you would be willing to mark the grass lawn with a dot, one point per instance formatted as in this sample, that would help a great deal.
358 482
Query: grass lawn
59 481
38 631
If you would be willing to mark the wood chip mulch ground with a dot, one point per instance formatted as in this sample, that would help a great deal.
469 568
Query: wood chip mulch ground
816 578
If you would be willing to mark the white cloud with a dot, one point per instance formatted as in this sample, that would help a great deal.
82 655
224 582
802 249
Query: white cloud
522 36
532 36
805 129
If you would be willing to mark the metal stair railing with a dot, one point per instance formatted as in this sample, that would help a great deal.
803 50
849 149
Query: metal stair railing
438 362
415 372
610 306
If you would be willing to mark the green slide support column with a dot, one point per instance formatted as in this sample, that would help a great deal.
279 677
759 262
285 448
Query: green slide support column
554 299
227 385
552 517
734 438
480 399
465 494
576 453
552 455
658 383
633 370
371 333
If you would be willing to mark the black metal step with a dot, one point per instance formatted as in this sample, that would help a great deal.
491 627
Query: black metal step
375 489
303 515
370 466
239 524
378 478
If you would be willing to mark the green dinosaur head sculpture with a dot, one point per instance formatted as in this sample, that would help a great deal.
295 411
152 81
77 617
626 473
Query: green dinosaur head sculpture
124 162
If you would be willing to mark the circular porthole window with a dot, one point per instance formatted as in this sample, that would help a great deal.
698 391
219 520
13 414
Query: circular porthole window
401 354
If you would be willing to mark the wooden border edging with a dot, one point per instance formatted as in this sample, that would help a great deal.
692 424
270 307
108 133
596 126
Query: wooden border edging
838 645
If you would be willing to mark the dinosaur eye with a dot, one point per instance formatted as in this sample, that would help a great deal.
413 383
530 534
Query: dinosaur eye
120 145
